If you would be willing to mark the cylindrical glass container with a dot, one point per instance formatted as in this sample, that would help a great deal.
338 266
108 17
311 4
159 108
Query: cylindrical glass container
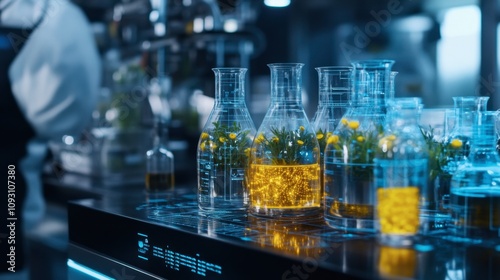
334 89
475 186
349 153
401 172
160 162
284 177
224 145
456 146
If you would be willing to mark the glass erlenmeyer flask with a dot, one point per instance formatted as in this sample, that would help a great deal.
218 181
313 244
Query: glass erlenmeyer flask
334 89
475 186
224 145
284 177
350 151
456 146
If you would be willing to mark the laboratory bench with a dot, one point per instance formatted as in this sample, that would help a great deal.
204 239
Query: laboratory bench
97 230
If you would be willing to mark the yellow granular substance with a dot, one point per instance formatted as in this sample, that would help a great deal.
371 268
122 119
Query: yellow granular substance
398 210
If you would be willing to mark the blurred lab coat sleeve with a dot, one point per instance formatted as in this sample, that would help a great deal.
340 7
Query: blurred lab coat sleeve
56 76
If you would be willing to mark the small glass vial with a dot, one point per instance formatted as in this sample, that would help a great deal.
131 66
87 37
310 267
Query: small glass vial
160 162
475 186
401 172
224 145
284 177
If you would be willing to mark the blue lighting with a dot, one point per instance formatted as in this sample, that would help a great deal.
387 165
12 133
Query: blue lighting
277 3
87 271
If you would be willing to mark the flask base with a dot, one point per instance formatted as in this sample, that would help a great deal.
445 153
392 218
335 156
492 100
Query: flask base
221 204
286 213
350 224
397 240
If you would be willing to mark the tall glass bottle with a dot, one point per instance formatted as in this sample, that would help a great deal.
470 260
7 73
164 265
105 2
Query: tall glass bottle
349 153
224 145
401 172
334 88
160 162
456 147
284 177
475 186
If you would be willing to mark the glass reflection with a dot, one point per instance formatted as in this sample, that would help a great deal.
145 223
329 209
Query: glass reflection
292 238
397 262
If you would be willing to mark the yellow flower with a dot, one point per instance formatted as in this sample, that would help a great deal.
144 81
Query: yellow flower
456 143
334 139
360 138
260 138
353 125
276 139
202 146
302 128
210 144
386 142
204 135
328 135
344 121
300 142
222 139
320 136
232 136
247 151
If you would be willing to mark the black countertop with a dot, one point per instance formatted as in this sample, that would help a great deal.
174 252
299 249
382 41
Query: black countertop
279 249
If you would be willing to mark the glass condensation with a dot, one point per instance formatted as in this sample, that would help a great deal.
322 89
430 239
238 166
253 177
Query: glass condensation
284 177
456 146
334 88
160 162
349 153
401 172
224 145
475 186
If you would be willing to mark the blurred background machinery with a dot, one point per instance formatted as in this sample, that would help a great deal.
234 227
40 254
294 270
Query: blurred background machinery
158 56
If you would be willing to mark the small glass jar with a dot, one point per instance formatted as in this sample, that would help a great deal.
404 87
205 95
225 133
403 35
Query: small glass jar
401 172
160 162
284 177
224 145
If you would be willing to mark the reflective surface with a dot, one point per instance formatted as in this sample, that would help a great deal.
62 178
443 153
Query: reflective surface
232 242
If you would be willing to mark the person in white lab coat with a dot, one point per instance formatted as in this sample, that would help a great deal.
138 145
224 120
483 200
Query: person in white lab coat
50 76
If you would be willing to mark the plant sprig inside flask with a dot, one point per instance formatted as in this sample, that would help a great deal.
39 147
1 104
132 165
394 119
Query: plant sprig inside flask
224 145
284 177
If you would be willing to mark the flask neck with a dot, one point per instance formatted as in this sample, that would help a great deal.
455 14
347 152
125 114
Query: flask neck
373 83
286 82
484 136
404 113
161 135
466 109
335 85
229 85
